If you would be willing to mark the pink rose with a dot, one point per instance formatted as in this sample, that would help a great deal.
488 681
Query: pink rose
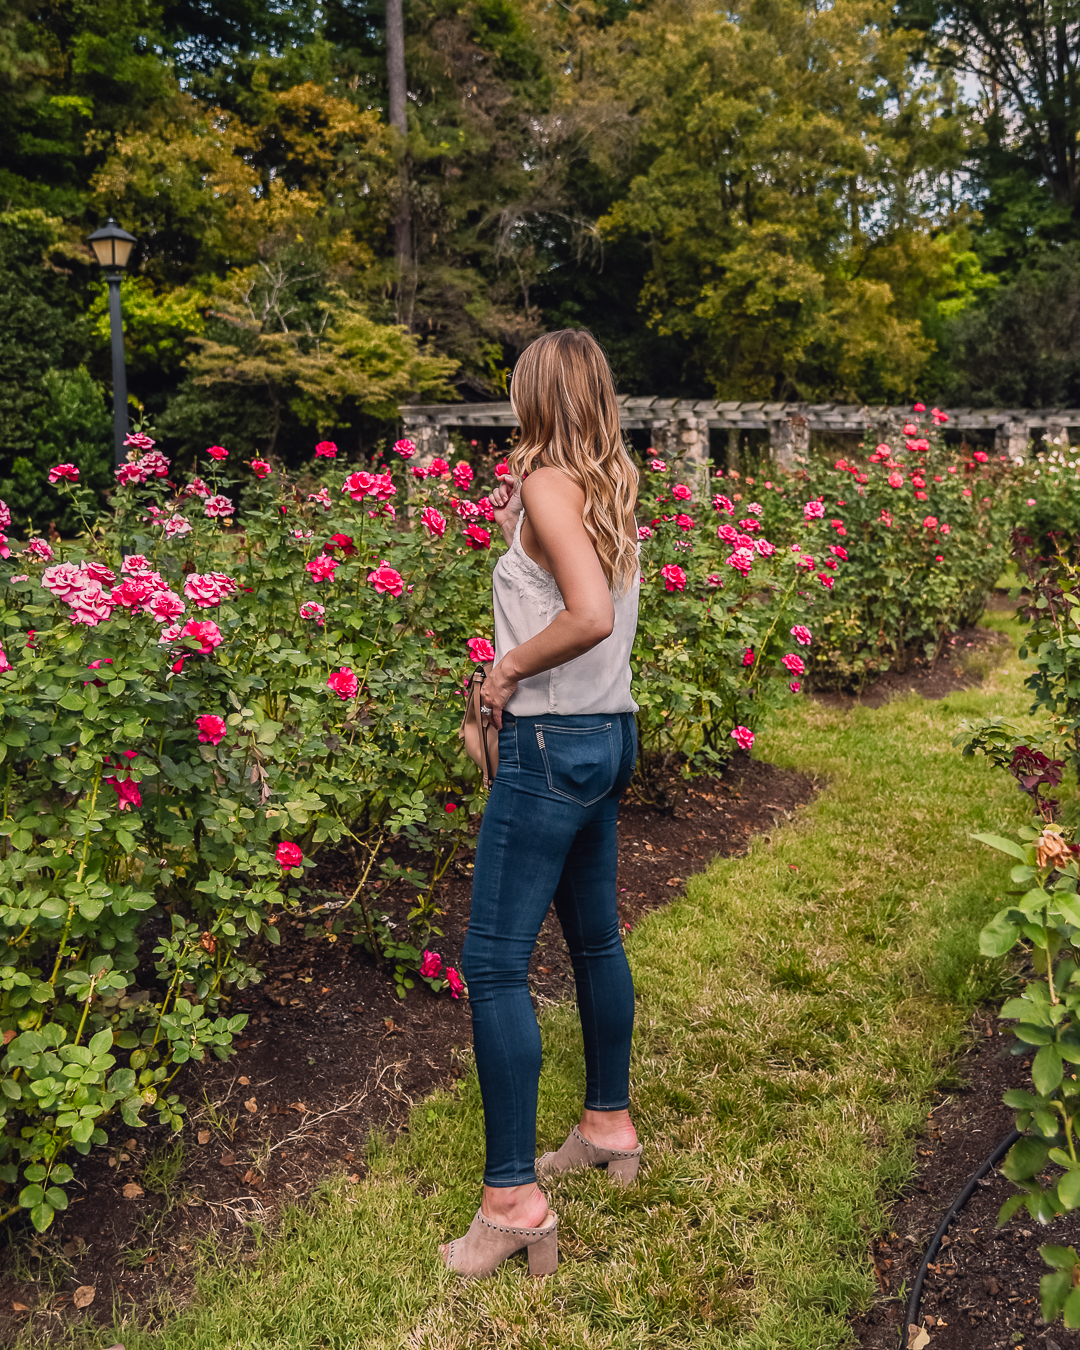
322 567
61 471
129 473
218 506
463 475
644 532
289 855
456 983
674 577
981 456
896 480
64 580
838 551
418 471
358 485
154 465
196 488
802 635
723 503
209 589
480 650
217 451
431 965
385 579
327 449
405 448
742 559
211 728
658 465
764 548
433 521
165 605
384 488
919 407
438 468
132 594
827 582
946 529
260 468
795 665
681 491
176 527
686 523
312 610
135 563
794 686
744 737
206 633
477 537
930 523
322 497
5 664
5 516
502 468
748 657
344 683
813 511
138 440
713 580
38 548
910 429
90 605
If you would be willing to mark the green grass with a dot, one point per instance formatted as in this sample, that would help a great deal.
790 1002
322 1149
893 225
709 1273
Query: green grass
795 1010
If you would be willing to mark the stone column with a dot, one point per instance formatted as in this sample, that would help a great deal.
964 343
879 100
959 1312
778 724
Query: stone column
733 449
431 441
1011 438
685 439
1057 431
789 437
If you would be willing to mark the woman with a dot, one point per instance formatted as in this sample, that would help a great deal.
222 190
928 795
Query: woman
566 604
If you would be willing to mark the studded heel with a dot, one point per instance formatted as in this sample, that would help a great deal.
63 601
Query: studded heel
578 1153
486 1246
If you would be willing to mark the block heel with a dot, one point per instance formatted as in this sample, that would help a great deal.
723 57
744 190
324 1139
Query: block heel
544 1255
578 1153
624 1170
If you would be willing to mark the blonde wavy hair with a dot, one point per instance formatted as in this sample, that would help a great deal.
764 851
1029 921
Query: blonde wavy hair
563 395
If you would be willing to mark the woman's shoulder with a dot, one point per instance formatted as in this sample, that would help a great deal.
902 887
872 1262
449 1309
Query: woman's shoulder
550 484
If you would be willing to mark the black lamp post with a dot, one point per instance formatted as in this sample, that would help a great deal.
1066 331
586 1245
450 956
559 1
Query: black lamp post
113 246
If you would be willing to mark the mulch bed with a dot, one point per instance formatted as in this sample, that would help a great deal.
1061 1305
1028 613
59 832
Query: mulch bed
982 1291
330 1055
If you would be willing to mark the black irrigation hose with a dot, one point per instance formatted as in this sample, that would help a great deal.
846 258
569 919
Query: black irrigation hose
957 1205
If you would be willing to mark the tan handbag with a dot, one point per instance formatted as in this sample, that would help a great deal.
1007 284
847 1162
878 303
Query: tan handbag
480 736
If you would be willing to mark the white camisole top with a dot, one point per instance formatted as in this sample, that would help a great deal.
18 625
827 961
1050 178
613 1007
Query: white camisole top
526 599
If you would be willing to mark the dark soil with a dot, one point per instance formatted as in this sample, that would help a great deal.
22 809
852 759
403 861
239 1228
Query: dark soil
964 661
330 1055
982 1291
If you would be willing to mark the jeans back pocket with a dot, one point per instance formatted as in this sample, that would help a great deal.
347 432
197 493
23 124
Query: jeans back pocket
580 762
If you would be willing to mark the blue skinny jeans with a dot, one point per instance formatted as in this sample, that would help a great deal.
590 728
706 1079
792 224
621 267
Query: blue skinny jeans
549 833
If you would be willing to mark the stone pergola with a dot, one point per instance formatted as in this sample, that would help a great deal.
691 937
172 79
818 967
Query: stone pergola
682 426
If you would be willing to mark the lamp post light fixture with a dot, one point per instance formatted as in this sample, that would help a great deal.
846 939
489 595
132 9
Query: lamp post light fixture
113 246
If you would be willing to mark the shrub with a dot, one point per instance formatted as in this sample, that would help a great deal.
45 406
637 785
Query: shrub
924 531
192 705
1048 509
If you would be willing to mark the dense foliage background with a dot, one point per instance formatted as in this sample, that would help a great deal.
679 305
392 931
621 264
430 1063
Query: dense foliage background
780 199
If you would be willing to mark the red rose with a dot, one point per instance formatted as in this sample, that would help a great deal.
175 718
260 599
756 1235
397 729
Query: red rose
289 855
344 683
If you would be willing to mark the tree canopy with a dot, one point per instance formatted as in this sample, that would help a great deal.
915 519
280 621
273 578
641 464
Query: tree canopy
774 199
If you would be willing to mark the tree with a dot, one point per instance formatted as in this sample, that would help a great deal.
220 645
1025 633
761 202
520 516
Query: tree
782 158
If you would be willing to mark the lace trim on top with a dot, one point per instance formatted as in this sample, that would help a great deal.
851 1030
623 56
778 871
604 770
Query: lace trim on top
531 580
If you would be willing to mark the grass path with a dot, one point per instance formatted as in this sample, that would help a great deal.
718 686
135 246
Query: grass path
795 1009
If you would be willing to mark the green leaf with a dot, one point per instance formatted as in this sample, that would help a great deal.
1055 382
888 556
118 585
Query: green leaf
1025 1159
1021 1100
1068 1190
72 702
1072 1310
101 1043
41 1216
999 935
1046 1071
30 1196
1002 844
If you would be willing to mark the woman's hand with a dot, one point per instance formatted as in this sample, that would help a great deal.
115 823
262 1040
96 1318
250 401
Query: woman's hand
498 689
506 502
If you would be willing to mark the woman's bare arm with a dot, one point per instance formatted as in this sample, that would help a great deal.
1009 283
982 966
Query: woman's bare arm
553 504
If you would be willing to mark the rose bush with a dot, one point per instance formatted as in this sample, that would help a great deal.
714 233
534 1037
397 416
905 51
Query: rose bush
922 532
